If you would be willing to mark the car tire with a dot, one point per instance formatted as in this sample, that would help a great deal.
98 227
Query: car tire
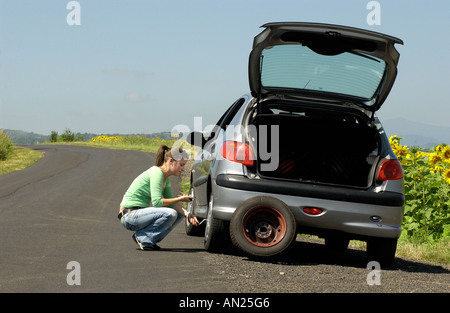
215 231
190 229
382 250
263 227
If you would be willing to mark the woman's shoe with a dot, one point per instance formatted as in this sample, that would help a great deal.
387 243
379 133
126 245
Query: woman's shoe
153 247
137 241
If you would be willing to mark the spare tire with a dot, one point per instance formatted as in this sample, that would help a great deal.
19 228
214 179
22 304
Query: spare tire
263 227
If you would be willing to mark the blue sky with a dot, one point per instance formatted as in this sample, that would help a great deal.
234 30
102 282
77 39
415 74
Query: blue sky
140 66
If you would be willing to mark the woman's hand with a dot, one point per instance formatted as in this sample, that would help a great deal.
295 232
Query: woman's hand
192 219
185 198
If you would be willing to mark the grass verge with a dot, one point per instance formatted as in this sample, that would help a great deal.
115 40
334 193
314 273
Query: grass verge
437 252
153 148
19 159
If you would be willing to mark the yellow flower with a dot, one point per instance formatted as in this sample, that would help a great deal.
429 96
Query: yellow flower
434 158
421 154
446 175
445 153
399 150
437 169
394 139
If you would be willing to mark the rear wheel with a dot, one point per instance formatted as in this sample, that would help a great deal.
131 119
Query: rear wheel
263 227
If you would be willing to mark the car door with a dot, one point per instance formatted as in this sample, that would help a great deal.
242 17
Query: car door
201 169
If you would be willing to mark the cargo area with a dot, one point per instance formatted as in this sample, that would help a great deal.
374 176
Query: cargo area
321 146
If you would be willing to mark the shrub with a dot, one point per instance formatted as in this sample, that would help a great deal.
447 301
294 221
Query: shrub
6 145
68 136
54 136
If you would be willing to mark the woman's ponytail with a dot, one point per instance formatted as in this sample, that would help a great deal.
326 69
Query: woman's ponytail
161 155
164 153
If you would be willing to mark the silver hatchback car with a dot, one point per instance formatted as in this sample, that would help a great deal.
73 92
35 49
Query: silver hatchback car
304 152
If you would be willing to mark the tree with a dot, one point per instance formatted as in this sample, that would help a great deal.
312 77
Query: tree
54 136
68 136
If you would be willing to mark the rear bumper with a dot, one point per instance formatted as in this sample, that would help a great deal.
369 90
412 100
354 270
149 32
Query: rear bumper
345 210
310 190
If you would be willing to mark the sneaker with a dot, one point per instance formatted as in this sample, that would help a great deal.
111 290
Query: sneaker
137 241
153 247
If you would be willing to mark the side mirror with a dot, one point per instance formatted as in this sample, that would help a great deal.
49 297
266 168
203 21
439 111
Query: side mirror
196 139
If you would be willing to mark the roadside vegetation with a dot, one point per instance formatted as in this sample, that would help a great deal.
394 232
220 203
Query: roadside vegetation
14 158
426 224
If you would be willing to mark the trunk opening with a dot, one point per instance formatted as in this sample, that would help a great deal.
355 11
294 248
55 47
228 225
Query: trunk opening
321 146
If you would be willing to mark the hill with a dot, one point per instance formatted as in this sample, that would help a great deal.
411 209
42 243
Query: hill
20 137
417 134
414 134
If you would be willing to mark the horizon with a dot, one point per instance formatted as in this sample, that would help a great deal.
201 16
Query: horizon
428 136
169 131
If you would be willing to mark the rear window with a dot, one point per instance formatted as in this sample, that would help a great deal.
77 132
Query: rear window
297 67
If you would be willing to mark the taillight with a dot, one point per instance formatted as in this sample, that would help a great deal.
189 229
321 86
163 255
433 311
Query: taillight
237 152
390 169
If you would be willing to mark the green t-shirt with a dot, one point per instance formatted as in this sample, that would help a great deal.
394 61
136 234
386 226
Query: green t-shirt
147 190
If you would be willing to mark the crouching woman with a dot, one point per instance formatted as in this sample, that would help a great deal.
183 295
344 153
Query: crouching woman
148 207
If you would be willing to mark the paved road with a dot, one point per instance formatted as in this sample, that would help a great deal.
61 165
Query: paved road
64 207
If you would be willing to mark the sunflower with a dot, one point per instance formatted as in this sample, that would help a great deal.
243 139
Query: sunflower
434 158
400 150
421 154
446 175
445 153
437 169
394 139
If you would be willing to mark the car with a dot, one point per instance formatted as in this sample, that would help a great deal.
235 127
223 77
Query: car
304 151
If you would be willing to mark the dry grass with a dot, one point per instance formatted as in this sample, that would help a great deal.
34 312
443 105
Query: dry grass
438 252
19 159
434 252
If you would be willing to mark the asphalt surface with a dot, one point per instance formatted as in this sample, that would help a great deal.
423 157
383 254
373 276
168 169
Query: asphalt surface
64 208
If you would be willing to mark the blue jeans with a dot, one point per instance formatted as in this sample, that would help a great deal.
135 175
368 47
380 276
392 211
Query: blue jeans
151 224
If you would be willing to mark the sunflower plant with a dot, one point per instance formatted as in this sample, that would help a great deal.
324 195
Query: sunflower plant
102 139
427 190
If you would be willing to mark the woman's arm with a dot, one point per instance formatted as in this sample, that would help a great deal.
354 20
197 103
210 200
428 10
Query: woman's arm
164 197
175 201
180 209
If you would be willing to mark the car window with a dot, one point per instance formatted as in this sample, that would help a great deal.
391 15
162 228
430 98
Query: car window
226 118
229 114
298 67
